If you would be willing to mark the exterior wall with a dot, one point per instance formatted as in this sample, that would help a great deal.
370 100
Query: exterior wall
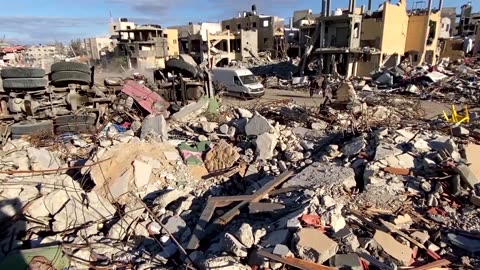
446 24
211 28
94 46
372 32
416 37
364 68
299 15
395 27
172 38
40 52
249 41
116 26
477 43
451 13
266 28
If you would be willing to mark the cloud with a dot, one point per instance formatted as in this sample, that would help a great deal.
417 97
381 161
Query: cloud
36 29
44 29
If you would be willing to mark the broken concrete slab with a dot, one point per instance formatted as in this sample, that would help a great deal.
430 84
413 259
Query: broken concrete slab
245 235
328 176
346 261
467 176
258 125
244 113
421 237
155 124
121 186
386 150
42 159
460 131
353 147
265 145
142 172
319 125
223 263
191 111
221 156
175 225
401 253
232 245
209 127
312 245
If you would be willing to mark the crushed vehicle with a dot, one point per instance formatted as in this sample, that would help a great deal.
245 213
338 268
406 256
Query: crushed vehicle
65 100
181 80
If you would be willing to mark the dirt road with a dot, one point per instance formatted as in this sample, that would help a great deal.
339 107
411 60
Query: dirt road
431 108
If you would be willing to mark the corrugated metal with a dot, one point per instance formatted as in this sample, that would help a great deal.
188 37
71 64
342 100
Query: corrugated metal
145 97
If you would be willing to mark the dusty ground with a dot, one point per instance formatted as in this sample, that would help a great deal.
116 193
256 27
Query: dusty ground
431 108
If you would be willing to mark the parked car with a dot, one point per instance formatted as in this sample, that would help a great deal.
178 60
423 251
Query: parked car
238 81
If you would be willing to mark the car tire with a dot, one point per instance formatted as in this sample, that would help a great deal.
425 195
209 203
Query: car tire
23 72
28 127
70 66
63 78
78 119
25 83
182 67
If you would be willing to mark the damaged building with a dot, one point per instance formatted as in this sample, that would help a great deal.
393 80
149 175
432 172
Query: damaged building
270 29
357 41
145 46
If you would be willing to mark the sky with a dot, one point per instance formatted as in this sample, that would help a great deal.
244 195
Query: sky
47 21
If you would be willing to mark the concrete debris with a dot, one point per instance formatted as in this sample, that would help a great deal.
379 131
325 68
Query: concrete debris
125 183
232 245
312 245
257 125
400 253
265 144
245 235
244 113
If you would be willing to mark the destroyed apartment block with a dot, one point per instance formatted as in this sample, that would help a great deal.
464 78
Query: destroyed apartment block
173 174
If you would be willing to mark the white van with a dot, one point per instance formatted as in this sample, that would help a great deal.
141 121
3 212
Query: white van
239 81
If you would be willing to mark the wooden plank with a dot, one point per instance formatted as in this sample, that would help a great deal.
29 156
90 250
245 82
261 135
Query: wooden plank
432 265
391 227
199 230
227 217
294 262
260 207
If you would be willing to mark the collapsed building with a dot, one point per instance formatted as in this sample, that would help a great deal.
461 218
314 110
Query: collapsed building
357 41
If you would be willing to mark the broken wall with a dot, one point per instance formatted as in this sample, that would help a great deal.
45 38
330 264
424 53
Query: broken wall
477 43
172 39
364 68
417 30
249 41
395 27
452 48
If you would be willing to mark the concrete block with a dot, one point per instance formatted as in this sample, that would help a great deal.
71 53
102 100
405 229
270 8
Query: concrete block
245 235
401 253
346 261
312 245
353 147
467 176
265 144
257 126
142 172
232 245
155 124
191 111
460 131
244 113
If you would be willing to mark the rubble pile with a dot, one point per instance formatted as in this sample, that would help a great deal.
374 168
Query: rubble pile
360 183
453 82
